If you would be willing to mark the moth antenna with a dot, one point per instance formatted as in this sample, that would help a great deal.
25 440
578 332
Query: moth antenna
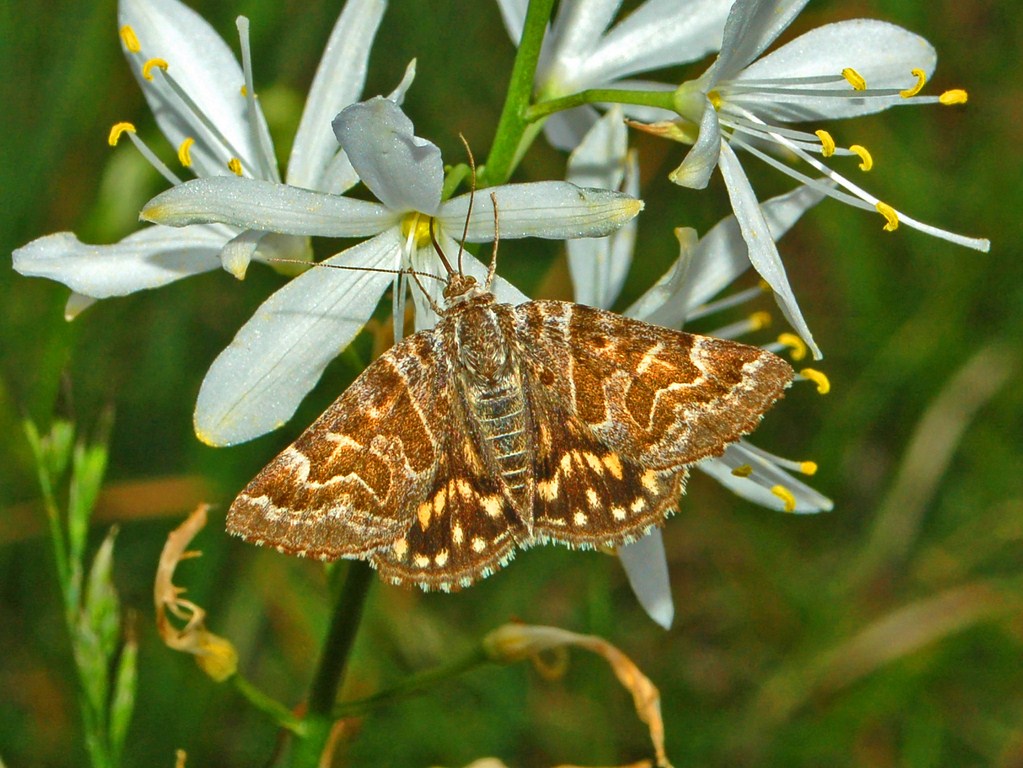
433 305
353 268
497 239
440 252
472 197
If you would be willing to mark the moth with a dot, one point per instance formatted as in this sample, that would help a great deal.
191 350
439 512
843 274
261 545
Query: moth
503 427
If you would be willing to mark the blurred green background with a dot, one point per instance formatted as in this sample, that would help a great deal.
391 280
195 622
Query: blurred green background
886 633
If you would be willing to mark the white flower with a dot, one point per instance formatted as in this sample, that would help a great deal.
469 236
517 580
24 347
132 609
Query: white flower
704 268
581 52
839 70
278 356
205 105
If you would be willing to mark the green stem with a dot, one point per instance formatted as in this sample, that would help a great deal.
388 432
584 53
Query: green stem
337 646
413 684
661 99
281 715
508 139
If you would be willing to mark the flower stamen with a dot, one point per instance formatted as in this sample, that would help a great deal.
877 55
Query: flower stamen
235 166
818 378
122 128
129 38
147 68
955 96
855 79
921 80
827 143
786 496
867 159
185 152
743 470
795 344
890 214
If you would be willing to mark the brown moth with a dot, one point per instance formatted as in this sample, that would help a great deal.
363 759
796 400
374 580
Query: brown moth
503 427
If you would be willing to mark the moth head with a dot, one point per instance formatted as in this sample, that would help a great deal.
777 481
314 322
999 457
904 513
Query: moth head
460 287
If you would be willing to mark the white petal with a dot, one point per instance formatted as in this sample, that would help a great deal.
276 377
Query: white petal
256 384
76 304
882 53
149 258
203 65
660 33
719 258
513 13
763 253
405 172
570 44
647 570
266 206
660 304
565 130
237 253
700 162
599 161
751 27
338 83
548 209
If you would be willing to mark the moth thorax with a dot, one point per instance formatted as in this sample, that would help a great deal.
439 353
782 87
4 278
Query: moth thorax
481 345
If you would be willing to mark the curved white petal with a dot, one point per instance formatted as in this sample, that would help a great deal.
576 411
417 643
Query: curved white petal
267 206
203 65
700 162
405 172
884 54
338 82
565 130
598 265
751 27
763 253
659 304
647 570
149 258
717 260
660 33
549 209
256 384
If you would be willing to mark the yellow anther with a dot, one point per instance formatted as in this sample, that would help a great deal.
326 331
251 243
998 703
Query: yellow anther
795 344
827 143
117 130
416 226
764 285
955 96
128 37
147 68
185 152
715 99
235 165
786 496
921 80
759 320
855 79
743 470
866 158
244 90
808 468
890 215
818 378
